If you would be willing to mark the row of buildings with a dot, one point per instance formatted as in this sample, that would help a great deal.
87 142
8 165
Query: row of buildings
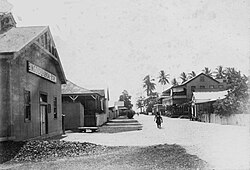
36 99
192 98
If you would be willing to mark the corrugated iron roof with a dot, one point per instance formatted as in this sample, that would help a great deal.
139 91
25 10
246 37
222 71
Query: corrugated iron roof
202 97
184 83
17 37
100 92
71 88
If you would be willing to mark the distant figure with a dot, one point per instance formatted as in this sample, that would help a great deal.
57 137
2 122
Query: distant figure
158 120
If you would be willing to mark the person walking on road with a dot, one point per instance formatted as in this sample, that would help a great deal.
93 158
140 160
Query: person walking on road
158 120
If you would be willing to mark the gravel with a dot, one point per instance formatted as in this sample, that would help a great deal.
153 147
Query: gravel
40 150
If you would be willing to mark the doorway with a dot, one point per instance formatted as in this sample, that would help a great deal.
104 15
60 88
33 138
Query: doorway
43 114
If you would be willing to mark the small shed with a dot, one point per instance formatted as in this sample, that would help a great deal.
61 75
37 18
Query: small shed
91 104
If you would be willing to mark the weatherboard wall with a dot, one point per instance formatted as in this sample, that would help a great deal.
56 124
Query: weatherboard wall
4 100
19 80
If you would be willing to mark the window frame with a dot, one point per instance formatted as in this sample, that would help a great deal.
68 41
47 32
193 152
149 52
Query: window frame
221 86
211 86
202 79
55 110
27 106
202 87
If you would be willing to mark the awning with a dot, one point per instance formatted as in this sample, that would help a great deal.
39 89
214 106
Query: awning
204 97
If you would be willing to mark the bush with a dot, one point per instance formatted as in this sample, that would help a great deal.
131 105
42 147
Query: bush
130 113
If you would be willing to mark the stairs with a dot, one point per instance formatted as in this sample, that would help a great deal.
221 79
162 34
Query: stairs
120 124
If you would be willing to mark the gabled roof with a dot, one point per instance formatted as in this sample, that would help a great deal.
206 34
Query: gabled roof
203 97
15 39
101 92
186 82
168 89
71 88
18 37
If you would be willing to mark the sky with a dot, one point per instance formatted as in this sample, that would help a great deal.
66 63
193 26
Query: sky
115 43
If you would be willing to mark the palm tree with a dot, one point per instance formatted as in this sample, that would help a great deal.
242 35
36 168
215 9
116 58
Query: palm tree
149 85
220 72
174 82
183 77
191 75
163 79
207 71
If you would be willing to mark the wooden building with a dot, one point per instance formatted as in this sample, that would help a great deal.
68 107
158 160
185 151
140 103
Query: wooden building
178 98
93 104
31 75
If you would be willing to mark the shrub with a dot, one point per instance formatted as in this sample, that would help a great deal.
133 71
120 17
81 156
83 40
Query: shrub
130 113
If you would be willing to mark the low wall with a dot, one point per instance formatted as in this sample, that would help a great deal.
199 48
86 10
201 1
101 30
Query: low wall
233 119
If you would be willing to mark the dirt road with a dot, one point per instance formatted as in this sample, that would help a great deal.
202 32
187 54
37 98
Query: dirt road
222 146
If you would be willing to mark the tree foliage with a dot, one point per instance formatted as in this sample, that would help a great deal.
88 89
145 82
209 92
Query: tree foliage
149 85
163 78
151 101
237 99
183 77
220 72
207 71
191 74
126 98
174 82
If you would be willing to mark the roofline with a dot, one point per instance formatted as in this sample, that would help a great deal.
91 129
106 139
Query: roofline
58 62
33 39
195 78
89 91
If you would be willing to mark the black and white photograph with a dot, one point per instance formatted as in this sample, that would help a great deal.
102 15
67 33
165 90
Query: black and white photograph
125 84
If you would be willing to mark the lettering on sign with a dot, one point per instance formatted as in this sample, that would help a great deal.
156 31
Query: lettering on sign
32 68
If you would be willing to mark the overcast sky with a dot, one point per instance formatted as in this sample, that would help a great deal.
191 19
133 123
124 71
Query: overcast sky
116 43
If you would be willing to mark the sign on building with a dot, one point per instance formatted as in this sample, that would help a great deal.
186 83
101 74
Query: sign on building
32 68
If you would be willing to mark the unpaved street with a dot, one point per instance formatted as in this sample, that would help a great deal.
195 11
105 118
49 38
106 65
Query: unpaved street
222 146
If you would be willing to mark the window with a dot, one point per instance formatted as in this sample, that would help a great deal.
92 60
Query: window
202 79
55 107
193 88
221 86
27 106
211 86
202 87
43 98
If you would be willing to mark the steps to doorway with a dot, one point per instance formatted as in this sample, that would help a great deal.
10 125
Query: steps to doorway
120 124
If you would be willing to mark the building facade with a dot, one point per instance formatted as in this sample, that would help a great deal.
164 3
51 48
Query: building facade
30 88
178 98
